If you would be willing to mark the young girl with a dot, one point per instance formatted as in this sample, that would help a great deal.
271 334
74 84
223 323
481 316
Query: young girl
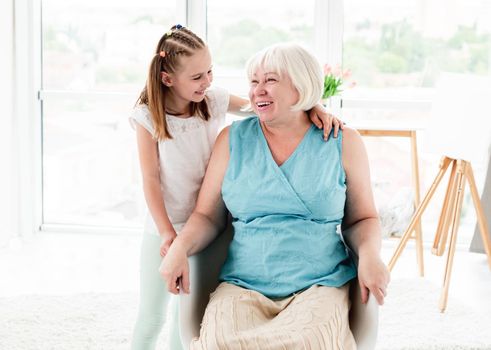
177 119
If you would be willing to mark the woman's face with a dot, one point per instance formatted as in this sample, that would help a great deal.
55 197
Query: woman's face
272 96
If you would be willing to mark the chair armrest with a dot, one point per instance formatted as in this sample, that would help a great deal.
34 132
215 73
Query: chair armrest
363 318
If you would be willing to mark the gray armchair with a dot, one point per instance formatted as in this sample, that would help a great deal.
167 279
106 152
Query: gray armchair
204 271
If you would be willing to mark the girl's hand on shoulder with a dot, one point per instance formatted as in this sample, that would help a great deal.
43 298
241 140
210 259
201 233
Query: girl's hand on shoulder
373 277
174 269
324 120
167 239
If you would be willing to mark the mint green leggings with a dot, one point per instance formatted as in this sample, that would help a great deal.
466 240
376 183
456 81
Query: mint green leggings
156 303
184 312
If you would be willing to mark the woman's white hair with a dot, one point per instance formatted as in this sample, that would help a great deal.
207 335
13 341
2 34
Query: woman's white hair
299 64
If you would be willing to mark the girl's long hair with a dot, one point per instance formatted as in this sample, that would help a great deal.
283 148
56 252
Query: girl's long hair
178 41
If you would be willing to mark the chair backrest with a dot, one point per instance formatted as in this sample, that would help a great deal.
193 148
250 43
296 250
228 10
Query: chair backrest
204 271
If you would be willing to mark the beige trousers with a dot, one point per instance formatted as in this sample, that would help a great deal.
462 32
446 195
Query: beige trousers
239 319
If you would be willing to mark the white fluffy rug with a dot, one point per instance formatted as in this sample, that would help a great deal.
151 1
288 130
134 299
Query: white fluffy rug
409 320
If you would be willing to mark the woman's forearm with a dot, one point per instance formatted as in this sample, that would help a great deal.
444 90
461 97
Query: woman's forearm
373 277
199 231
364 237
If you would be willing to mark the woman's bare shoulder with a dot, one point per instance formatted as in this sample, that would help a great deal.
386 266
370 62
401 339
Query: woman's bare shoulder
353 147
350 134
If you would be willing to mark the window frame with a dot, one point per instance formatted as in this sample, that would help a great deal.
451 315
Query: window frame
27 121
7 179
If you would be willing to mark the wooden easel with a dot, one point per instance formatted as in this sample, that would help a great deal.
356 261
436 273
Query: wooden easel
449 217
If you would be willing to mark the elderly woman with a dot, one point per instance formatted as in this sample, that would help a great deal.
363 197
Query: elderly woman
285 279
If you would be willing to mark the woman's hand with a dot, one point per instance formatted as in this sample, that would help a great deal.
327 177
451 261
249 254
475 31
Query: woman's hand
322 119
167 239
373 277
174 269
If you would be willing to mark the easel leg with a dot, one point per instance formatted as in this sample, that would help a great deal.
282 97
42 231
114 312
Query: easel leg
415 176
481 218
453 236
445 216
444 163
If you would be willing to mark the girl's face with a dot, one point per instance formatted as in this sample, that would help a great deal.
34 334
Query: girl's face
191 80
272 96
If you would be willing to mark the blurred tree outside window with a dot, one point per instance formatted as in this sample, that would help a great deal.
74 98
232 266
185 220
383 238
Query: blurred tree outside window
237 30
403 43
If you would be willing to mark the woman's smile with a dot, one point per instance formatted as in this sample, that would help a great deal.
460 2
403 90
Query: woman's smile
263 105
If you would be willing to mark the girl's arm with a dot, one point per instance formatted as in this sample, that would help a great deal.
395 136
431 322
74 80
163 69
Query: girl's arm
238 106
361 226
205 223
318 115
149 165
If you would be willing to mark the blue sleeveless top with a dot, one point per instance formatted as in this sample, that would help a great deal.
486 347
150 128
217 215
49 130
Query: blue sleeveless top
286 218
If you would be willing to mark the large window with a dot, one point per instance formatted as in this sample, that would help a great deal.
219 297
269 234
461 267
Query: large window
95 56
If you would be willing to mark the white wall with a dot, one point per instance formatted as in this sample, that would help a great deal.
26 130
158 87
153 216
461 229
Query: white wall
6 117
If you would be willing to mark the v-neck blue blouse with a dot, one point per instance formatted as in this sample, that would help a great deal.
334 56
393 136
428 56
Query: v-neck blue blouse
286 218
